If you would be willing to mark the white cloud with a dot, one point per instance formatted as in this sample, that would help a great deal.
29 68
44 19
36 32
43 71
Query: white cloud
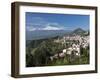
33 29
45 28
52 28
30 28
48 26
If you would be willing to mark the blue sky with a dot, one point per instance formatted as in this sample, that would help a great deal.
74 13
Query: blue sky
48 21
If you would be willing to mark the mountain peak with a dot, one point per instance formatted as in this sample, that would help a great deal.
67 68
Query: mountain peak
78 31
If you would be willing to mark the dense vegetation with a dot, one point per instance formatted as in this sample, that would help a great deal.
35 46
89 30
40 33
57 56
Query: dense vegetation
38 53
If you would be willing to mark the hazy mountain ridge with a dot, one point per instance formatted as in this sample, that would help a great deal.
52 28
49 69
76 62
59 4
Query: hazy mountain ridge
42 34
78 31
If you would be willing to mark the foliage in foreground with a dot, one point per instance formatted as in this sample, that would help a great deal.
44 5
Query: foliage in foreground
40 55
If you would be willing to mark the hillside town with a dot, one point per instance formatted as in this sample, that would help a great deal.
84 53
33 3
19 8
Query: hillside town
68 49
72 46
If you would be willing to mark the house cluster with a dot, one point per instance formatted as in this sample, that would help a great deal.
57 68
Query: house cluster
83 41
74 49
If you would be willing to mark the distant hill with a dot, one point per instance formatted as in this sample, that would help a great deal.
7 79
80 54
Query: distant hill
42 34
34 43
78 31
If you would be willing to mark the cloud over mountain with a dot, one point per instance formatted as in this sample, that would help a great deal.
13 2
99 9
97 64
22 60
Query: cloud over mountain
44 26
52 28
